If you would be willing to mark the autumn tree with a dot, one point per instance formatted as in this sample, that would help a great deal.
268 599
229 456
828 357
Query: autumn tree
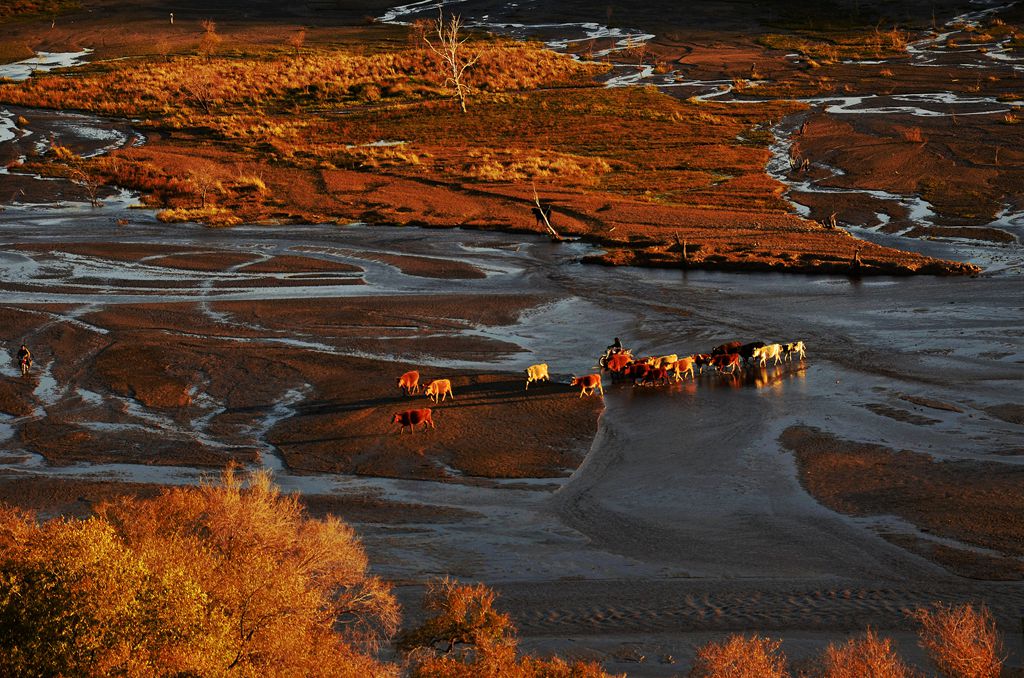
210 40
450 47
296 40
227 579
466 637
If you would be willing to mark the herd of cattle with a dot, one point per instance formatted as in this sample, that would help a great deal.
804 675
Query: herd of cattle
622 365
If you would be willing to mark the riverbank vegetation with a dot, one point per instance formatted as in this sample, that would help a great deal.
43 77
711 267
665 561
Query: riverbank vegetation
341 135
234 578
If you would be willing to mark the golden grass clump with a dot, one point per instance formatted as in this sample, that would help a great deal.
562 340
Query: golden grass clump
518 166
740 657
211 215
962 641
865 657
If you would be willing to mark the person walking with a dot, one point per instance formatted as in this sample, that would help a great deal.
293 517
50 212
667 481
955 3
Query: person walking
24 359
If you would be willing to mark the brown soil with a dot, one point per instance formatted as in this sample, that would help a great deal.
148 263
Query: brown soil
72 497
979 504
203 261
425 267
65 496
968 171
1011 412
162 371
295 264
492 428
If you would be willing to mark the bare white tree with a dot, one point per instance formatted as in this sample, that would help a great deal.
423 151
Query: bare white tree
449 45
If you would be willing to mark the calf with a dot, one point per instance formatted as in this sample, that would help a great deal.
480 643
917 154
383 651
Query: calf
730 361
796 347
412 419
409 382
769 352
589 382
726 349
536 373
439 388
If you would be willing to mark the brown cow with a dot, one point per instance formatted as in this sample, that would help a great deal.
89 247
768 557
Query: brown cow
409 382
439 388
412 419
617 363
590 381
728 360
725 349
702 360
681 368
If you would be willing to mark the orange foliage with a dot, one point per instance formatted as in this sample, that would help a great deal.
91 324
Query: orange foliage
215 580
467 638
188 85
962 641
867 657
740 657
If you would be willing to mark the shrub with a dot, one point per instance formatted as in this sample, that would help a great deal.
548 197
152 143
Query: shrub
866 657
740 657
210 215
466 637
213 581
962 641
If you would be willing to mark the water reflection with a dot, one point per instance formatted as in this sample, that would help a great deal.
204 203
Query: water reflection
771 377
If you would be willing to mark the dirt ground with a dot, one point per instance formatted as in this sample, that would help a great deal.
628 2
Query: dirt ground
134 382
977 504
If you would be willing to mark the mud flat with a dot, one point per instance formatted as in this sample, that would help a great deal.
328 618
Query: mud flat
683 492
628 529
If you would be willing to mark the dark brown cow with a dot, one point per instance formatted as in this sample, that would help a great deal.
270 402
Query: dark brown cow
413 418
725 349
732 361
747 350
702 360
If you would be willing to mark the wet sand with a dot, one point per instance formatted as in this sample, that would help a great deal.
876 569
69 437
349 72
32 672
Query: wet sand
685 491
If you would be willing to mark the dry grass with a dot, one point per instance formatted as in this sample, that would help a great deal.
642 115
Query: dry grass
865 657
829 47
740 657
211 214
912 134
500 166
10 8
962 641
184 87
